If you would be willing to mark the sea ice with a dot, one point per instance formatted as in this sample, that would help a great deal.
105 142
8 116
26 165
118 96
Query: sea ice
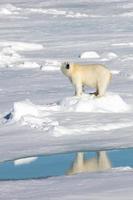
8 57
89 54
76 15
89 103
9 9
108 56
24 161
46 11
51 65
44 117
21 46
26 108
28 65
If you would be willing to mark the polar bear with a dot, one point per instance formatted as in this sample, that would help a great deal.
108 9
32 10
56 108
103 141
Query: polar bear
93 75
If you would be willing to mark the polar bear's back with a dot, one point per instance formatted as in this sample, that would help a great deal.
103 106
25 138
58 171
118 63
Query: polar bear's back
91 73
91 68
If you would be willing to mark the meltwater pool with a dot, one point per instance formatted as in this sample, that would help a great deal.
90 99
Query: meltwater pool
66 164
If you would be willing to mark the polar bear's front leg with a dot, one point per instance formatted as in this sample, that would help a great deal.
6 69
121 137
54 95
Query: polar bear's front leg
78 89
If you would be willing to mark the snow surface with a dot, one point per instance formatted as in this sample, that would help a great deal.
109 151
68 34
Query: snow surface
116 185
9 9
46 88
35 38
44 117
90 103
21 46
9 56
51 65
94 55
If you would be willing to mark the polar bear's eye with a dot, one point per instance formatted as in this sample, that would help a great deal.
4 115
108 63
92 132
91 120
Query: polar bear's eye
67 66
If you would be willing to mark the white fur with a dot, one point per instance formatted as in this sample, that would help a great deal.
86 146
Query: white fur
93 75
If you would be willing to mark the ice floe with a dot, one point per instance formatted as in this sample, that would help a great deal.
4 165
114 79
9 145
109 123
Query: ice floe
108 56
51 65
97 186
35 116
27 65
111 103
89 54
58 131
21 46
46 11
8 57
9 9
94 55
27 108
130 44
57 12
115 71
89 103
24 161
127 14
43 116
76 15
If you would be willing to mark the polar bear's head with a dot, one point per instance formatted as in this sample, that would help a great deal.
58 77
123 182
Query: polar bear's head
66 68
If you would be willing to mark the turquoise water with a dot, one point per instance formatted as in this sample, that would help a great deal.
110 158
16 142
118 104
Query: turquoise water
60 164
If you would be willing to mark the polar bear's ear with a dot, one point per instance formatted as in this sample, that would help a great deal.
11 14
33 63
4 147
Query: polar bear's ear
67 66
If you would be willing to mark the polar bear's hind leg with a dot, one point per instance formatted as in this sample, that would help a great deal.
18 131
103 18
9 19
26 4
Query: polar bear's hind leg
102 87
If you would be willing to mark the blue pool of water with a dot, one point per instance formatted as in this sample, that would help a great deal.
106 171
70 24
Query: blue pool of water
60 164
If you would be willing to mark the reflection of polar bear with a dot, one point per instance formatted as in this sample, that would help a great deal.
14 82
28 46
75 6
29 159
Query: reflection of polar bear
98 163
93 75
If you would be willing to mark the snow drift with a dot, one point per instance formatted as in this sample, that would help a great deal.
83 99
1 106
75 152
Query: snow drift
44 117
21 46
90 103
87 103
89 54
9 56
94 55
51 65
9 9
